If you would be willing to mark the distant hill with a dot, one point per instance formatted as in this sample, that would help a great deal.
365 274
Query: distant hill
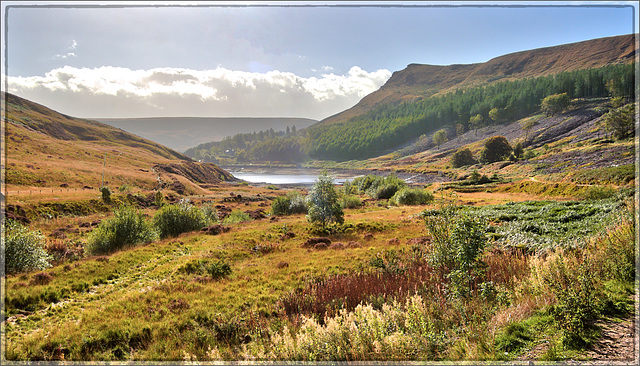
45 148
181 133
417 81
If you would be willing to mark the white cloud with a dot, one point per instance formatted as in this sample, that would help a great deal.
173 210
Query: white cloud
186 92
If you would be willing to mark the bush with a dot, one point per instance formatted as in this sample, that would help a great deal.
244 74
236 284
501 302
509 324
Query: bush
412 197
496 148
217 270
128 227
385 188
458 241
106 194
571 279
599 193
237 217
462 157
292 203
173 220
351 202
24 250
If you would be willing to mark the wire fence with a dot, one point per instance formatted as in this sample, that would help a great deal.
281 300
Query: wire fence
27 192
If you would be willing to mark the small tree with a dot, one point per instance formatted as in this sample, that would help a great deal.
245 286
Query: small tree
323 203
620 122
527 125
555 103
459 130
496 148
462 157
499 114
518 151
476 122
440 137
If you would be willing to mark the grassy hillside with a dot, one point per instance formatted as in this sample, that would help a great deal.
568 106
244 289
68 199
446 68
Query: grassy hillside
45 148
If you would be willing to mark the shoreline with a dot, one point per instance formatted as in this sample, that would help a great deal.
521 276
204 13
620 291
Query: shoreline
337 173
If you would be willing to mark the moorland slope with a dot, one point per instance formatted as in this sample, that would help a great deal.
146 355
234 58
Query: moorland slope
45 148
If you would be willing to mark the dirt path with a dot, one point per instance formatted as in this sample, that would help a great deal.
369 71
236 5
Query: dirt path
617 345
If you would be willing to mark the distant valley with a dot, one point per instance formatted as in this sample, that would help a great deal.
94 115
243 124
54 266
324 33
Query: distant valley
181 133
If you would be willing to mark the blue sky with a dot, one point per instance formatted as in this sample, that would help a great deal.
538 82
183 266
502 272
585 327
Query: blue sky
304 59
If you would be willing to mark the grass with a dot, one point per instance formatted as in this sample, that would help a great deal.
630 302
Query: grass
160 301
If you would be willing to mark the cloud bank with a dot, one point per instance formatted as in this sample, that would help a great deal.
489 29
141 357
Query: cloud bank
122 92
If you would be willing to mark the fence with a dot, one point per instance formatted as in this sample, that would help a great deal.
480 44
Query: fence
46 190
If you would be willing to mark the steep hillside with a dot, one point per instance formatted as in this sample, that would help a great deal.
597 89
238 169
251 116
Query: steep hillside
181 133
421 81
45 148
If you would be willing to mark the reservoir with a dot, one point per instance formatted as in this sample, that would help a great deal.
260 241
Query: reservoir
285 176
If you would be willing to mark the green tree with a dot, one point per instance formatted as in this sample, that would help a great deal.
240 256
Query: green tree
555 103
440 137
496 148
620 122
499 114
324 205
476 122
462 158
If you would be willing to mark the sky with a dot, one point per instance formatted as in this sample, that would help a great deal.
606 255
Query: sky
264 59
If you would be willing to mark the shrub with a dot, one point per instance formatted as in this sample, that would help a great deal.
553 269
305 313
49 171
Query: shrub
237 217
572 281
496 148
292 203
126 228
217 270
462 157
412 197
158 199
173 220
458 240
599 193
210 213
24 250
351 202
376 186
106 194
615 248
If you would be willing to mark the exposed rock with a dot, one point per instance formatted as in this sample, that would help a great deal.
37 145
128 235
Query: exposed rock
312 242
215 230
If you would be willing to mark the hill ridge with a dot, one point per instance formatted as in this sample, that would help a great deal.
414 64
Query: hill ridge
419 81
